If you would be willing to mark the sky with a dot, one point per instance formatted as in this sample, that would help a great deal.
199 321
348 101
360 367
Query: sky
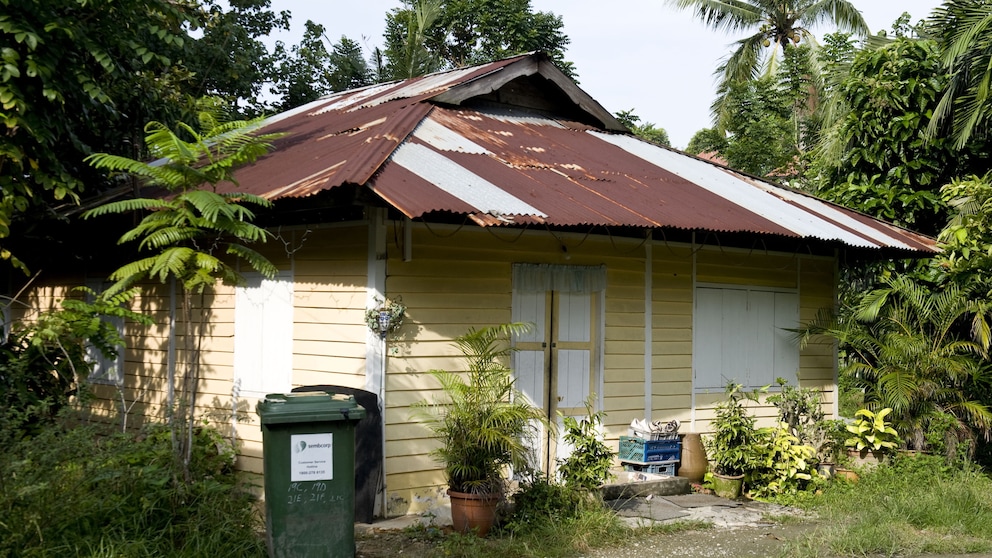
629 54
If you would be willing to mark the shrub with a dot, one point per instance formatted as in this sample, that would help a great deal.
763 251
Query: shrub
87 491
588 466
782 464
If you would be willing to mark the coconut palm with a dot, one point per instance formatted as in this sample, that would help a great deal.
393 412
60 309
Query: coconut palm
772 24
963 29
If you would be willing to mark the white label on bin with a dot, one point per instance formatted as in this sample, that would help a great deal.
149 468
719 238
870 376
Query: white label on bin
312 457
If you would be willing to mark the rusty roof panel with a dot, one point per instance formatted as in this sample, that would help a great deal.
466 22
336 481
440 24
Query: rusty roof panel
324 151
447 175
512 165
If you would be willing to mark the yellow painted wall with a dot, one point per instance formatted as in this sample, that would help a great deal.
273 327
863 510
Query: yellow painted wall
460 277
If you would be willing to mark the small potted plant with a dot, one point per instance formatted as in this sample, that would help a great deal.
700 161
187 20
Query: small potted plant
481 421
870 437
827 438
730 447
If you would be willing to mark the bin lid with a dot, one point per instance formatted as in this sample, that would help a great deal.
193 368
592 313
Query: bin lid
308 406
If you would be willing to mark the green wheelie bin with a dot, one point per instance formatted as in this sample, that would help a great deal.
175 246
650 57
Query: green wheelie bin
308 450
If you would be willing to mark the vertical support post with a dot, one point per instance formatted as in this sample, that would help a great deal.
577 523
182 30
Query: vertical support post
648 329
375 345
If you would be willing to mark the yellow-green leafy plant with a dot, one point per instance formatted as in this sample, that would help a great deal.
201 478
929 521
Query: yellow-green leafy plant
872 432
782 463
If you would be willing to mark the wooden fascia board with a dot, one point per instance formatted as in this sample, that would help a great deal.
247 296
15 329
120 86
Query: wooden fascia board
528 67
488 83
580 97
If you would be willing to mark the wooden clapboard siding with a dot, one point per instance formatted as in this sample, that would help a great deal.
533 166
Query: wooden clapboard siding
474 268
814 278
330 273
671 332
458 278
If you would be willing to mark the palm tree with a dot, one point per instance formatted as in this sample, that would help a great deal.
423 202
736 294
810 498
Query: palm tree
774 24
919 351
963 29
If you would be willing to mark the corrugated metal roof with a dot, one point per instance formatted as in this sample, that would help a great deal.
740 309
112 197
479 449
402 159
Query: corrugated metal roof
513 165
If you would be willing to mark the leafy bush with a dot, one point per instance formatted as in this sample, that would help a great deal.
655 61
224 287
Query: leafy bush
782 463
86 491
588 466
542 500
43 360
730 447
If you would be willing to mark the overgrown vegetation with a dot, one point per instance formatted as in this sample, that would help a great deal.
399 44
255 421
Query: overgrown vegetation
196 235
81 490
915 505
43 359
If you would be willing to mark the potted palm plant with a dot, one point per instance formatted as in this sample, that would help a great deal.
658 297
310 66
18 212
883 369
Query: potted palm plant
481 421
730 447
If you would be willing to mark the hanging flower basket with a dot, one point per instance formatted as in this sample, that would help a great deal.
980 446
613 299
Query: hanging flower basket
386 316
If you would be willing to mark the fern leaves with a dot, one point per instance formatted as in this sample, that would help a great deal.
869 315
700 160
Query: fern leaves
193 229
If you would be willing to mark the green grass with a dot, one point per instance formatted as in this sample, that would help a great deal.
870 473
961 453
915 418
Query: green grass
916 505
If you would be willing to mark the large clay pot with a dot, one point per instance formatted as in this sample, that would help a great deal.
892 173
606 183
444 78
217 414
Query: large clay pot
694 463
728 487
473 512
865 458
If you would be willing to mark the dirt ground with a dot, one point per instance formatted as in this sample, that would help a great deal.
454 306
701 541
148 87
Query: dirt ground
711 543
721 540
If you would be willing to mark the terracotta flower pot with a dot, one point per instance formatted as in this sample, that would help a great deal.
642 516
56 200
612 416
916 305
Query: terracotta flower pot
864 458
846 474
473 512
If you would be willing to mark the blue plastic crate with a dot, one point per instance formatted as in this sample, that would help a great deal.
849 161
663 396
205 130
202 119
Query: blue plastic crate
638 449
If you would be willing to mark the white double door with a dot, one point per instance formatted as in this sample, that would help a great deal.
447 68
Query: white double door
556 362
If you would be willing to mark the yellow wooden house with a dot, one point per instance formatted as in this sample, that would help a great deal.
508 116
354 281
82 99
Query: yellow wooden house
486 195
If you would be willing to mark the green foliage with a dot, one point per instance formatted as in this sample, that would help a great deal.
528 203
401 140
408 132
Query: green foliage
309 70
186 230
888 167
918 351
801 411
82 491
481 419
872 432
707 140
82 76
43 359
964 30
229 59
196 235
647 131
549 529
758 116
967 238
779 26
588 466
540 501
75 76
730 448
782 463
428 35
